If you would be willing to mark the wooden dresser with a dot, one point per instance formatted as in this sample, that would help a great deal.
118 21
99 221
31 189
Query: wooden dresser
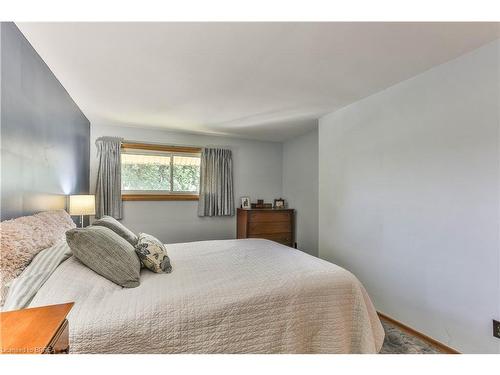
269 223
38 330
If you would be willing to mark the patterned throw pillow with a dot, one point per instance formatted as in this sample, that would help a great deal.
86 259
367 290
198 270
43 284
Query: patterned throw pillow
153 254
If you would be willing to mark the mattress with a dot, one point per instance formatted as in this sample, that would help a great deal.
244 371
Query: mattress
230 296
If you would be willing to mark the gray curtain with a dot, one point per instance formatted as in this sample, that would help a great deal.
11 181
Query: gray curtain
108 193
216 183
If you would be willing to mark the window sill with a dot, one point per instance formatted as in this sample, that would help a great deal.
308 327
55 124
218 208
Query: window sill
160 197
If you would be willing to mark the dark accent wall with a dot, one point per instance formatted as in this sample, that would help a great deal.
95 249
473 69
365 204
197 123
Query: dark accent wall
44 135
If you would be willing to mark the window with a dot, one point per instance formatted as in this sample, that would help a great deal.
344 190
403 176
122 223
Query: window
155 172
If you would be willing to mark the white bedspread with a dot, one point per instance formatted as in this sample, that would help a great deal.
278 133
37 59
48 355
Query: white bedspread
234 296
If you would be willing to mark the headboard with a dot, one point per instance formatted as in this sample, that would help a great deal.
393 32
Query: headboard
45 137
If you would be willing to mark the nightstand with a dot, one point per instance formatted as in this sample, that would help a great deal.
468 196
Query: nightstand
38 330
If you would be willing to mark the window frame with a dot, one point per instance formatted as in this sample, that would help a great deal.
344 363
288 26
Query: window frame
160 195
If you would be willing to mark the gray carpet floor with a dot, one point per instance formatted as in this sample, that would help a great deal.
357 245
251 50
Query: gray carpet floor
399 342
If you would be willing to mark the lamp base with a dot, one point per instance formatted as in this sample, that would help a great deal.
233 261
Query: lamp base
81 221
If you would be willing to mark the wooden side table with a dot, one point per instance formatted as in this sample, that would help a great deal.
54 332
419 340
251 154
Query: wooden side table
38 330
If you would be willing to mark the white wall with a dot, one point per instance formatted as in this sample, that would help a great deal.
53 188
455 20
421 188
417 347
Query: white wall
409 199
300 187
257 173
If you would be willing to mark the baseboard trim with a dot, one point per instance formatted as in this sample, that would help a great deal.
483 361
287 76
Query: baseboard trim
442 347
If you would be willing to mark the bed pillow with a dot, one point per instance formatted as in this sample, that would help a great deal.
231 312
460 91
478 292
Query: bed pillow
106 253
153 254
117 227
24 287
25 237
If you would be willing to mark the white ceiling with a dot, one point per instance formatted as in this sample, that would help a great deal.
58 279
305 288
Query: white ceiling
267 81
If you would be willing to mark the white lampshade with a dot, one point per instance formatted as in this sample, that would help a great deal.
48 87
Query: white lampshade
82 204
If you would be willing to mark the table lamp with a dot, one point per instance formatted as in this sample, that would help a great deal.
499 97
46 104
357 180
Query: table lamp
80 205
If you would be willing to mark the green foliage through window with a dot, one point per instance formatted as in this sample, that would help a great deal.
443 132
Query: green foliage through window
144 172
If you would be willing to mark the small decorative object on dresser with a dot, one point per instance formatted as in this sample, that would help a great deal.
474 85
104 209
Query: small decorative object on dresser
259 204
262 205
279 203
38 330
273 224
245 203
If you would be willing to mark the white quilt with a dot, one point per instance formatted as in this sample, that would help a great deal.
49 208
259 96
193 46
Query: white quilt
233 296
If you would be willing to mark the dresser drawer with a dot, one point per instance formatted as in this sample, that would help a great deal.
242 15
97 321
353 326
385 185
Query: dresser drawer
272 224
282 238
268 228
268 217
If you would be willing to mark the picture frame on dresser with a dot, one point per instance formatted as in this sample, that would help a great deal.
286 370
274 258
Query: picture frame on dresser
245 203
279 203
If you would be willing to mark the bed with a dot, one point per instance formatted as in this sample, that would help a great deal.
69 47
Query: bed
227 296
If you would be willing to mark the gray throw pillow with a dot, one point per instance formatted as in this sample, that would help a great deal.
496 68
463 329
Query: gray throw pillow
106 253
117 227
153 254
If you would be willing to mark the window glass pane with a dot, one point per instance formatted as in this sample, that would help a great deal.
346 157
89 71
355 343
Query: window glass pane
145 172
186 173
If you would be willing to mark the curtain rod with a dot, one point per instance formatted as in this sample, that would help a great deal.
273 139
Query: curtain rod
172 144
158 143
